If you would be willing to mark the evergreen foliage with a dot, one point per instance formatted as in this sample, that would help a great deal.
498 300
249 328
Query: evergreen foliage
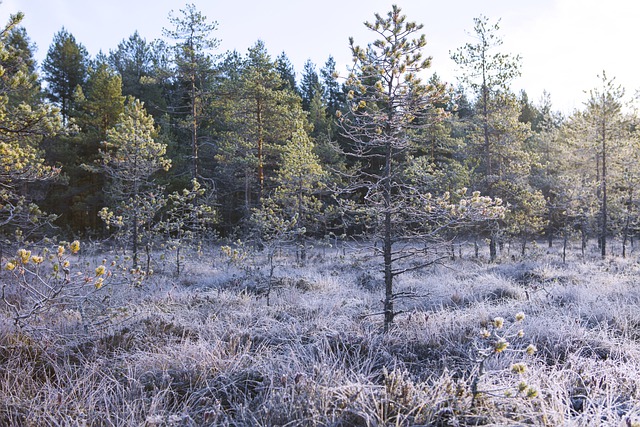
129 158
496 135
193 70
261 114
65 68
388 105
143 68
257 138
167 150
25 120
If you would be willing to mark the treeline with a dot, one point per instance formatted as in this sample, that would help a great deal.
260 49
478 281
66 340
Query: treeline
171 136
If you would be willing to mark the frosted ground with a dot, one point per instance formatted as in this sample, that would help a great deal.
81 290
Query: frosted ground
209 348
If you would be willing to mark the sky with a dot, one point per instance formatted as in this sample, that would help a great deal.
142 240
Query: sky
565 45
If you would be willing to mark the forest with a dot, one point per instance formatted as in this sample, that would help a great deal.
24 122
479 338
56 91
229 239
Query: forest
195 237
255 138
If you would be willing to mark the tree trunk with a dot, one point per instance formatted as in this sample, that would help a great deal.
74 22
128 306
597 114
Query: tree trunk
603 236
550 229
247 193
135 238
272 268
178 266
194 129
493 248
148 253
625 236
260 152
485 123
302 244
388 277
301 250
387 243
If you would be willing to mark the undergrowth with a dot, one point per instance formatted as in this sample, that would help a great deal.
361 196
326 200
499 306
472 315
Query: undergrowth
205 348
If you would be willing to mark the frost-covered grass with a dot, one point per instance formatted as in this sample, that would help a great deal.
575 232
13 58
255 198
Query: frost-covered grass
205 348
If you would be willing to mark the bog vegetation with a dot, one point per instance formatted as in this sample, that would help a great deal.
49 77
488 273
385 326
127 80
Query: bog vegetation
195 238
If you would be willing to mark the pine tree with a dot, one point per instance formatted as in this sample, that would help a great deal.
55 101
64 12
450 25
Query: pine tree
99 106
186 220
20 59
600 134
296 198
546 174
577 183
24 122
488 74
494 131
193 71
260 116
142 69
65 68
627 186
129 159
387 105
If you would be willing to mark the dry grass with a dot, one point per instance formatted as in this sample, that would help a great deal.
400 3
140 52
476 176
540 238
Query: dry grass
206 349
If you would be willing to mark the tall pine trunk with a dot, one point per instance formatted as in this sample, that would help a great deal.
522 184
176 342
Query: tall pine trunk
194 129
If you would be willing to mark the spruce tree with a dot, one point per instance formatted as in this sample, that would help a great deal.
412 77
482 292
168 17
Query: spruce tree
310 85
287 72
334 96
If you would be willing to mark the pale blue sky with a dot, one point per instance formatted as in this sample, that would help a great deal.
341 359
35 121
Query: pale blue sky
564 44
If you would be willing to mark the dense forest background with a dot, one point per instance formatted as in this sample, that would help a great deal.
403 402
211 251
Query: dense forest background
172 139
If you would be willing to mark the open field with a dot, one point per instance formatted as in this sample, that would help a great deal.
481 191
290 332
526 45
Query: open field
209 348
